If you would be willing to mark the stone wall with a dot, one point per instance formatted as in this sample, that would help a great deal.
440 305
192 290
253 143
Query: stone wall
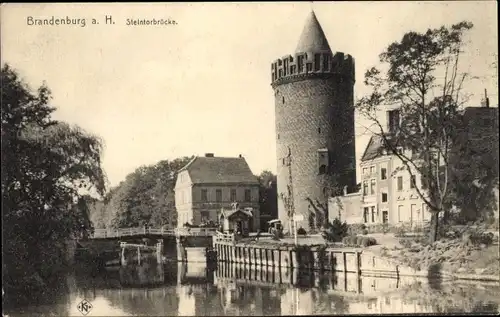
312 115
317 258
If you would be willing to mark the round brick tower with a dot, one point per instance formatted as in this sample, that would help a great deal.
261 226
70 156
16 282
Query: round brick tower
314 95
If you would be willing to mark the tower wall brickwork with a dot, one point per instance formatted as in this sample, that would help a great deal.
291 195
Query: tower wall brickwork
315 124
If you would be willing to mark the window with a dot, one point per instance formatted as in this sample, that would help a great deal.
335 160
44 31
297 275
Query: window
385 216
372 169
283 100
365 214
248 195
383 173
393 120
300 63
413 181
284 162
422 179
384 197
204 195
317 62
326 62
400 183
319 130
322 161
233 195
373 213
400 212
372 186
365 188
322 170
218 195
204 215
365 171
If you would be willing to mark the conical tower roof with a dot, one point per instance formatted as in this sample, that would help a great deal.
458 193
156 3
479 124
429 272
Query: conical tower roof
312 38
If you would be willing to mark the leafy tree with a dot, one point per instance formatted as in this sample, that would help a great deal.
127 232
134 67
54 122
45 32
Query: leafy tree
268 194
336 230
267 178
474 176
422 79
146 196
46 164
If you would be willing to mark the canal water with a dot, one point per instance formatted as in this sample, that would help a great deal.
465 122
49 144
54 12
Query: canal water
176 289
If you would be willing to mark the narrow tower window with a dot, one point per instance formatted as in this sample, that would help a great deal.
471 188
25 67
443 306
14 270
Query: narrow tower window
317 62
319 130
322 161
283 99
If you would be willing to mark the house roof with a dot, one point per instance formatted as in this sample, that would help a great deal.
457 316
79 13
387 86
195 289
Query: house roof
373 149
223 170
313 38
228 213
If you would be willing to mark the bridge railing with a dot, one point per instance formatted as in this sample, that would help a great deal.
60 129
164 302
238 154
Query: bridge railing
125 232
224 237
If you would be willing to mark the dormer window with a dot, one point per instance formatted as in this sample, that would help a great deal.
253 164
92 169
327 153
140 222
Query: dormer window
393 120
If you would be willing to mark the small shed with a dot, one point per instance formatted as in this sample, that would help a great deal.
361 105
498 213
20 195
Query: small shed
236 219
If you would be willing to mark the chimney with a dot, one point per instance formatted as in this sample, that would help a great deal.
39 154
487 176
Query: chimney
486 99
241 156
209 154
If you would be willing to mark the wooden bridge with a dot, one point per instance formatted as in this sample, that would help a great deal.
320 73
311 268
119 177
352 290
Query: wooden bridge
142 231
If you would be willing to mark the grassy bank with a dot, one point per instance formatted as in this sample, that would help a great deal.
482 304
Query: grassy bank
458 257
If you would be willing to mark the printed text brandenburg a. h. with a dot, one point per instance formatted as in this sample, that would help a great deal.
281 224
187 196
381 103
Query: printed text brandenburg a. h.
55 21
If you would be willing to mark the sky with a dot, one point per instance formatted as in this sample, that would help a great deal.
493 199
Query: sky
203 85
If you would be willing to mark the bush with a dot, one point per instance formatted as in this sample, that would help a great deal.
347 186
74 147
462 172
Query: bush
477 238
335 231
400 231
301 231
406 243
358 241
356 228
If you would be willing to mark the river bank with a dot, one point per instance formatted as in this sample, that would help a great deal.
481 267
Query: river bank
453 258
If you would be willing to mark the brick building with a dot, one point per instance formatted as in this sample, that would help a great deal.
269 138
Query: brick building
208 184
388 193
313 91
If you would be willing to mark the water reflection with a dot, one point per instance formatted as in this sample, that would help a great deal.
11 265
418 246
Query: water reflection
176 289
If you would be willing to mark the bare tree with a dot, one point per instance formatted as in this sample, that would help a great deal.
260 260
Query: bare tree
423 80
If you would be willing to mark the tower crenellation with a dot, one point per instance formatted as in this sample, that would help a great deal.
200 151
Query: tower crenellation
299 65
315 145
